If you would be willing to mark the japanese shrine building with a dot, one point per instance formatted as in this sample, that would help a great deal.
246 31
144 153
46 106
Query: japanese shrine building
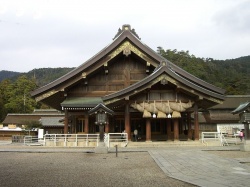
146 92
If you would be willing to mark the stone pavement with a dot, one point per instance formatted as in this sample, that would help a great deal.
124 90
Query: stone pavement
188 164
202 168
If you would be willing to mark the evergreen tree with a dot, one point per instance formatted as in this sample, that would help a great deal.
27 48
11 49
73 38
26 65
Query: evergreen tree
4 85
18 96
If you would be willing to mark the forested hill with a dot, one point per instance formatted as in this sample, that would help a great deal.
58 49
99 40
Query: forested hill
42 76
231 75
7 74
15 91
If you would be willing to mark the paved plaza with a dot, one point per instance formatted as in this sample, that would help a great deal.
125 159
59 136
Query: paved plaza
203 168
164 166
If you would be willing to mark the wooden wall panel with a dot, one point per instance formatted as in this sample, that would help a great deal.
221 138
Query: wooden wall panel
122 72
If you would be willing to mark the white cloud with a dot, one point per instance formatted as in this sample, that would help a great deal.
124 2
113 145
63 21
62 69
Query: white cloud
53 33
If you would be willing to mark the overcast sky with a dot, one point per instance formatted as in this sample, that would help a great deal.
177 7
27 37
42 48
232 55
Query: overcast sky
66 33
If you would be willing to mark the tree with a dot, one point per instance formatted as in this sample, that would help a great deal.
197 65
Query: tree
19 98
4 85
31 125
231 75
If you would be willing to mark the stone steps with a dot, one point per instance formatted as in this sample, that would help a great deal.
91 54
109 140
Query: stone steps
165 144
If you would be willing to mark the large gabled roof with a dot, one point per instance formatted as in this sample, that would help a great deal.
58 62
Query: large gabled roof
126 34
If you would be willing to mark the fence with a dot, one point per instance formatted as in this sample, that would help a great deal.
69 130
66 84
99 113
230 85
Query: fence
18 138
222 139
232 138
72 140
112 139
32 140
209 136
78 140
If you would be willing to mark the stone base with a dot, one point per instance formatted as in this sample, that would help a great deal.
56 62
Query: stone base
101 149
245 146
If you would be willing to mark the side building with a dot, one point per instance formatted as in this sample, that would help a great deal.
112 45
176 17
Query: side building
14 123
220 118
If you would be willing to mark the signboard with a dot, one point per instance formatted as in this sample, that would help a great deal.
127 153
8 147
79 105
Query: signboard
40 133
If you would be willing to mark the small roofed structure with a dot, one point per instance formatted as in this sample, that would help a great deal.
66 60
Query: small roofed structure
244 114
101 107
242 108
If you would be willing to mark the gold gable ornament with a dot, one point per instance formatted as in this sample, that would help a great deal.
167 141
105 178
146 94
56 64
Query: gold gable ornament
126 51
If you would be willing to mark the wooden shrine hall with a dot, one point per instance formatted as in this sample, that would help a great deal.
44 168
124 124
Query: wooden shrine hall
144 90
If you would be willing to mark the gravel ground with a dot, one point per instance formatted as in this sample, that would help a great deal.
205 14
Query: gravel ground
82 169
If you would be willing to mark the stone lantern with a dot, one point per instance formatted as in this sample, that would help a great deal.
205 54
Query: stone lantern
101 112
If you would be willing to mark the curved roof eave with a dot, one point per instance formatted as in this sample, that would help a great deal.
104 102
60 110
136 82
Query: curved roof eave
101 106
154 75
241 108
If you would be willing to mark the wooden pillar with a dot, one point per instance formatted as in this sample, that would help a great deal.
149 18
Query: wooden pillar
189 126
127 121
73 125
66 122
176 129
246 131
161 126
169 129
180 123
86 123
196 123
107 126
148 129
